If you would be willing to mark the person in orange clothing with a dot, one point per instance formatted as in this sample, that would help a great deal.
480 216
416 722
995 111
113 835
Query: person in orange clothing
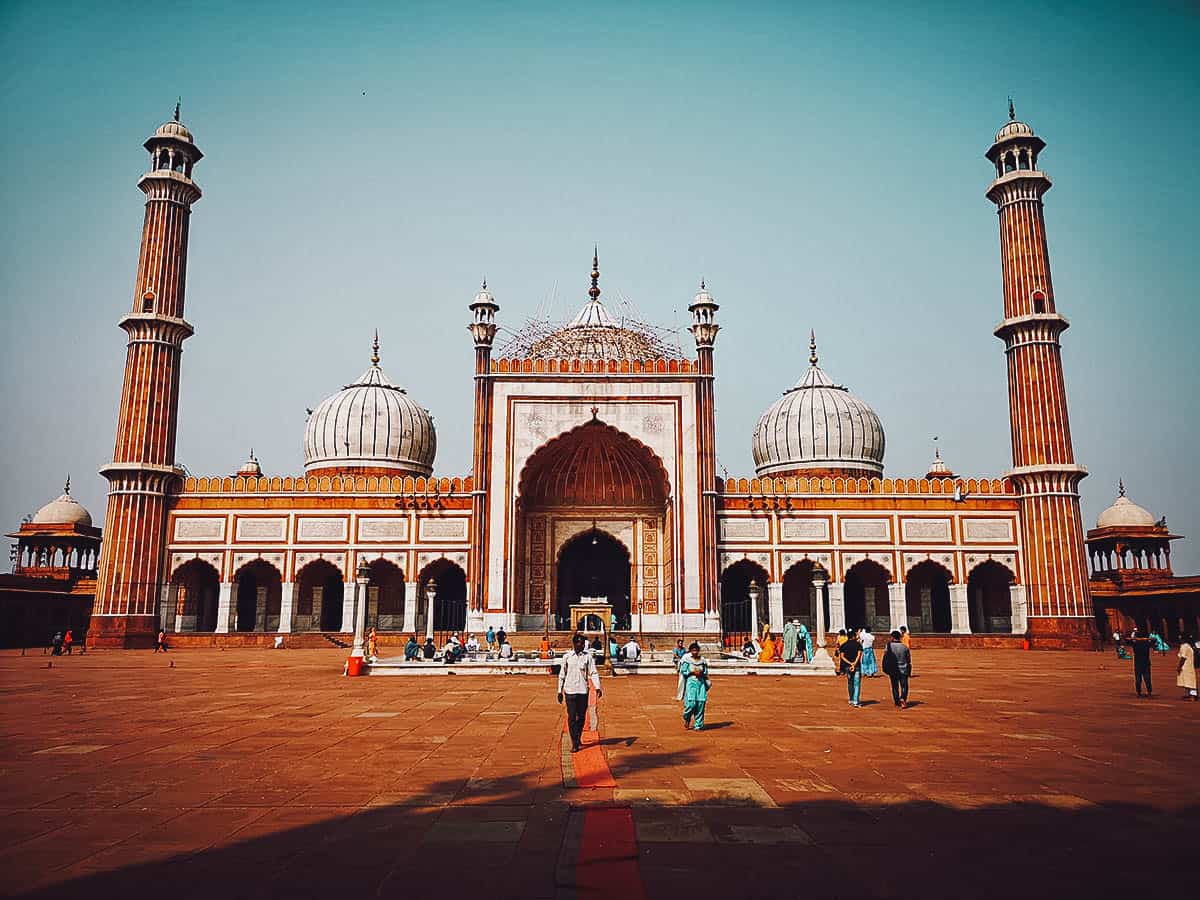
68 639
905 637
768 649
778 657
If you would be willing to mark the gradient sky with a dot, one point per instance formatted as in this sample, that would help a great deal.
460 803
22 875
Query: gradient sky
821 165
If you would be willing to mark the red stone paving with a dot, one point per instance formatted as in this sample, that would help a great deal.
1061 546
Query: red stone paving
255 773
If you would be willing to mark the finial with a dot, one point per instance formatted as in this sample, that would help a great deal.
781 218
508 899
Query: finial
483 287
1012 113
937 454
594 290
177 102
375 349
812 348
67 486
1121 488
252 456
702 287
595 413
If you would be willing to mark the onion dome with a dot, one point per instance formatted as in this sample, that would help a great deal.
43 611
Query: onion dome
594 334
64 510
1124 512
818 428
250 468
1013 127
174 129
372 426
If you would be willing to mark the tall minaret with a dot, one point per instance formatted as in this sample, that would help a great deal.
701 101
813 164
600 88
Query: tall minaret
704 329
1044 468
143 470
483 331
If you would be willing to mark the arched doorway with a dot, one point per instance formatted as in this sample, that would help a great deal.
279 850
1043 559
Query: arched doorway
927 598
800 596
988 599
594 564
867 596
259 593
385 597
197 585
596 481
736 611
449 601
320 591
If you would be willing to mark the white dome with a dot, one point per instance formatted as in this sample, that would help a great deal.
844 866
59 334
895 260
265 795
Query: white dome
1013 129
64 510
818 425
1124 512
371 424
174 129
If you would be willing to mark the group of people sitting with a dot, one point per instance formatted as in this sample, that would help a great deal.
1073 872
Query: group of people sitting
455 650
794 645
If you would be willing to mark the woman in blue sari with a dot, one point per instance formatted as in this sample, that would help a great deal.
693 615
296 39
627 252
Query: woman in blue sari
867 639
805 641
1157 642
694 670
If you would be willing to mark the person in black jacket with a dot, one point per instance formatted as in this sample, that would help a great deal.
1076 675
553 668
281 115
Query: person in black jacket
897 666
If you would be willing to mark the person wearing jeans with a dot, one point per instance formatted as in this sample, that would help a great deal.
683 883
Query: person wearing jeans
897 665
850 665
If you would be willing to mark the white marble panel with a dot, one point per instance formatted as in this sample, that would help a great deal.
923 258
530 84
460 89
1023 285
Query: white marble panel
915 530
744 529
392 529
988 531
261 528
442 529
321 529
199 528
864 529
804 529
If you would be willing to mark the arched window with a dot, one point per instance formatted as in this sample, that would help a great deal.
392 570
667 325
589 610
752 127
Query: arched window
1039 302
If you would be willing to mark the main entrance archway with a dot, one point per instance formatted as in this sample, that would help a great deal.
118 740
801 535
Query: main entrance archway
594 520
594 564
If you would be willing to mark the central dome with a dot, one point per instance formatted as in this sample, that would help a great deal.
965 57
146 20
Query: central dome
818 428
370 427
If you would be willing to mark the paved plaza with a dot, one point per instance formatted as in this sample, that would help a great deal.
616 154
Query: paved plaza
254 773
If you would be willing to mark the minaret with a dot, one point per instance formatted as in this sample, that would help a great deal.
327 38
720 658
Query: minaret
483 330
704 329
1044 469
143 470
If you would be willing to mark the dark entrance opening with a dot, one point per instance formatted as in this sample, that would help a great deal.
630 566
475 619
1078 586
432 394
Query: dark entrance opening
736 626
867 597
594 564
450 602
259 595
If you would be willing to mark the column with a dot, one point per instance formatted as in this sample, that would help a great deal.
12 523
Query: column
359 626
837 606
349 606
775 605
429 595
820 654
897 607
754 630
960 617
474 616
168 603
224 597
410 606
287 593
260 609
1020 614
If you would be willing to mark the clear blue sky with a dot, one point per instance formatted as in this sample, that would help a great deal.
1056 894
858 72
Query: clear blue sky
821 165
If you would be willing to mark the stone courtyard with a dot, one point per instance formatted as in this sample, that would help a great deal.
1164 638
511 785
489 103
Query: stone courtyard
254 773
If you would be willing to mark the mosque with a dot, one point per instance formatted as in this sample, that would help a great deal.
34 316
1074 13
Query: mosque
593 479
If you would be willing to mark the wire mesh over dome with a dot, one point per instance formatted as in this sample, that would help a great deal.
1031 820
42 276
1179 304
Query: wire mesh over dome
818 428
370 426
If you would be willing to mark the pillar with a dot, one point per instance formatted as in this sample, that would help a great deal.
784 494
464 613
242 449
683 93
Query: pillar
754 631
1020 612
960 617
349 605
897 608
837 605
260 609
169 606
287 594
775 605
410 606
224 600
429 614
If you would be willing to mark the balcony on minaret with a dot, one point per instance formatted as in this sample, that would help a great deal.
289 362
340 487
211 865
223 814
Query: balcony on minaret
483 325
704 318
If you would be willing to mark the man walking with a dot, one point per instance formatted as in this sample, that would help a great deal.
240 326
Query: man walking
850 665
897 666
1141 662
577 670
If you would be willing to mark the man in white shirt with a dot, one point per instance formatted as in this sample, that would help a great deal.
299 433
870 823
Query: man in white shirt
633 652
577 669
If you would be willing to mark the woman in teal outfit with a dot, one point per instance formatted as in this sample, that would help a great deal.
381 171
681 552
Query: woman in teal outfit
694 670
806 640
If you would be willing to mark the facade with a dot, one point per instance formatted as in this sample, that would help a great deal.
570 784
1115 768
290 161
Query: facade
1132 583
594 476
53 578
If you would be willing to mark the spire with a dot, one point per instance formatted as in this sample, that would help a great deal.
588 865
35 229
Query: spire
594 290
1012 113
375 349
67 486
483 287
702 287
812 348
177 102
1121 487
937 454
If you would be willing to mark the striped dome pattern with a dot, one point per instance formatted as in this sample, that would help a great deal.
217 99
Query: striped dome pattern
370 424
818 426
